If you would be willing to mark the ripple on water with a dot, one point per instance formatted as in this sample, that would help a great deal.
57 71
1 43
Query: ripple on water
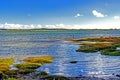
24 44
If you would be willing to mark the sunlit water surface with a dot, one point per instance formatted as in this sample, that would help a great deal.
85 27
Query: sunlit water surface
50 42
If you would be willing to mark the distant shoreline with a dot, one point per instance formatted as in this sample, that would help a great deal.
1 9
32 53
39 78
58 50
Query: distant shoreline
50 29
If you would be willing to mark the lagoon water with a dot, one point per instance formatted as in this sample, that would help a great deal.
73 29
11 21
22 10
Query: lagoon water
50 42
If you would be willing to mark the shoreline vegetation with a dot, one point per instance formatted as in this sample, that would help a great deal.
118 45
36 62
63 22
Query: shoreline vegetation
105 45
9 70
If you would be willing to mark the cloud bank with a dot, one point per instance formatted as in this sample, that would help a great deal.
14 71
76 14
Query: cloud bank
98 14
18 26
116 17
95 25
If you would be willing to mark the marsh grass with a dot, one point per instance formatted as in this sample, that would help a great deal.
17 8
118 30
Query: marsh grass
102 39
94 47
14 79
53 77
5 64
27 65
7 61
112 52
34 62
106 45
41 60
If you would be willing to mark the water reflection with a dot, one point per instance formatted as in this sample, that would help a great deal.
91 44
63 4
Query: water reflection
25 44
97 67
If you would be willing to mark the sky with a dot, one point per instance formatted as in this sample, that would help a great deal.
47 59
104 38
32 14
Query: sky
71 14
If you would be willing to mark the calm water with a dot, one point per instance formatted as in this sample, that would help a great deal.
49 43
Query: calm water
47 42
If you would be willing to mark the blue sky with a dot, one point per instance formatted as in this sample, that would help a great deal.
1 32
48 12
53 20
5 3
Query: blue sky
64 13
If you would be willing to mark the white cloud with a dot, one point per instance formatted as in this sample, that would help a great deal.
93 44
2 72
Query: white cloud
96 25
60 25
102 25
19 26
39 26
50 26
98 14
78 15
116 17
57 26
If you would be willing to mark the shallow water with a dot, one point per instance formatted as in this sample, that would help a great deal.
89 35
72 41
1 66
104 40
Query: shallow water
48 42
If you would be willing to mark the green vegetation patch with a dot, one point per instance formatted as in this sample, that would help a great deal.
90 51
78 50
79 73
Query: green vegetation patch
5 64
106 45
34 62
7 61
94 47
53 77
101 39
111 52
41 60
13 79
27 65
